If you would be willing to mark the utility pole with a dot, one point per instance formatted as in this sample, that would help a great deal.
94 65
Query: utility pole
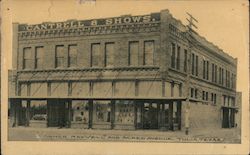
189 35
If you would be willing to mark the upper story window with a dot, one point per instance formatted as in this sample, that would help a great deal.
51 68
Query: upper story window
109 54
194 93
173 58
195 64
204 95
232 80
133 53
149 49
214 73
72 53
59 56
39 52
27 58
185 60
96 55
205 69
228 80
220 75
213 98
178 58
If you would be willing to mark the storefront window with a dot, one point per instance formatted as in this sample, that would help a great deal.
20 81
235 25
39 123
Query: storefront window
38 110
102 111
175 120
166 108
124 112
80 111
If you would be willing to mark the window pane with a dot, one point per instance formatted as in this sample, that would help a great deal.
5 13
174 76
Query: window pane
102 110
27 53
178 57
80 112
59 56
133 53
124 112
39 57
39 52
149 52
175 118
173 56
72 55
27 61
193 64
109 51
38 111
96 59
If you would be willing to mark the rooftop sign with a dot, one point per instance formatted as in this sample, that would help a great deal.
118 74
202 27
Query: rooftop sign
95 22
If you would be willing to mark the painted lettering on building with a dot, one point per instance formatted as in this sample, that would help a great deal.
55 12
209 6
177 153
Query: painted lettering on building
96 22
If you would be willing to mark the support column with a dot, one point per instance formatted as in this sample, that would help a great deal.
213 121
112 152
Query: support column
170 116
15 103
27 113
163 117
179 114
135 114
159 112
90 114
47 112
112 115
69 113
142 114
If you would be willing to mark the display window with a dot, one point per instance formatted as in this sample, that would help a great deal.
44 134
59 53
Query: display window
101 111
124 112
80 111
38 110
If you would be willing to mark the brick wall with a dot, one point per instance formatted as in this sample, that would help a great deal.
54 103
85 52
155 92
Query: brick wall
202 116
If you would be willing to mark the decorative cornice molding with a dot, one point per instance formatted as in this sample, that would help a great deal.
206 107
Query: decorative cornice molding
91 30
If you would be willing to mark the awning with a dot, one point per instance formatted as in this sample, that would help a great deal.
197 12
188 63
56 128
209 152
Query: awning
98 98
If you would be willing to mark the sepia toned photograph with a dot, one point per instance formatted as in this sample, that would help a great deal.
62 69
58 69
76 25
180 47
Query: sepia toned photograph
160 73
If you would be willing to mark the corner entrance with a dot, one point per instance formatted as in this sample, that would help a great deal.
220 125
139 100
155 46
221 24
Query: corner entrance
150 116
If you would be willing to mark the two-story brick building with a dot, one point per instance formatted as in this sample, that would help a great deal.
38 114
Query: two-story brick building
128 72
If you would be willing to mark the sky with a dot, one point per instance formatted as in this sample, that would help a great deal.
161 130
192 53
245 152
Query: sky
224 23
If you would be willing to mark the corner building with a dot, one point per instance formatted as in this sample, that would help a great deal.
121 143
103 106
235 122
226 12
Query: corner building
127 72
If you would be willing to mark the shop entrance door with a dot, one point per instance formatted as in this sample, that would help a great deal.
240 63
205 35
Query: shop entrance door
56 113
150 116
22 118
225 120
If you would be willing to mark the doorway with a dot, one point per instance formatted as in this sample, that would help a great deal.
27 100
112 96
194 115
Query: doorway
56 113
150 116
228 120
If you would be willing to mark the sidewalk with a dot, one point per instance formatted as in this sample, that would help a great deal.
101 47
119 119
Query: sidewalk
65 134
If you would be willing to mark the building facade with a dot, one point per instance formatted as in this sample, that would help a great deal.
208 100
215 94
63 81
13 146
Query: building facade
128 72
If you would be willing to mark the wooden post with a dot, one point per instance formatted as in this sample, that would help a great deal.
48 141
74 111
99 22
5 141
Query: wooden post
179 114
90 114
112 115
69 113
163 117
47 112
135 114
159 115
170 115
142 114
28 113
